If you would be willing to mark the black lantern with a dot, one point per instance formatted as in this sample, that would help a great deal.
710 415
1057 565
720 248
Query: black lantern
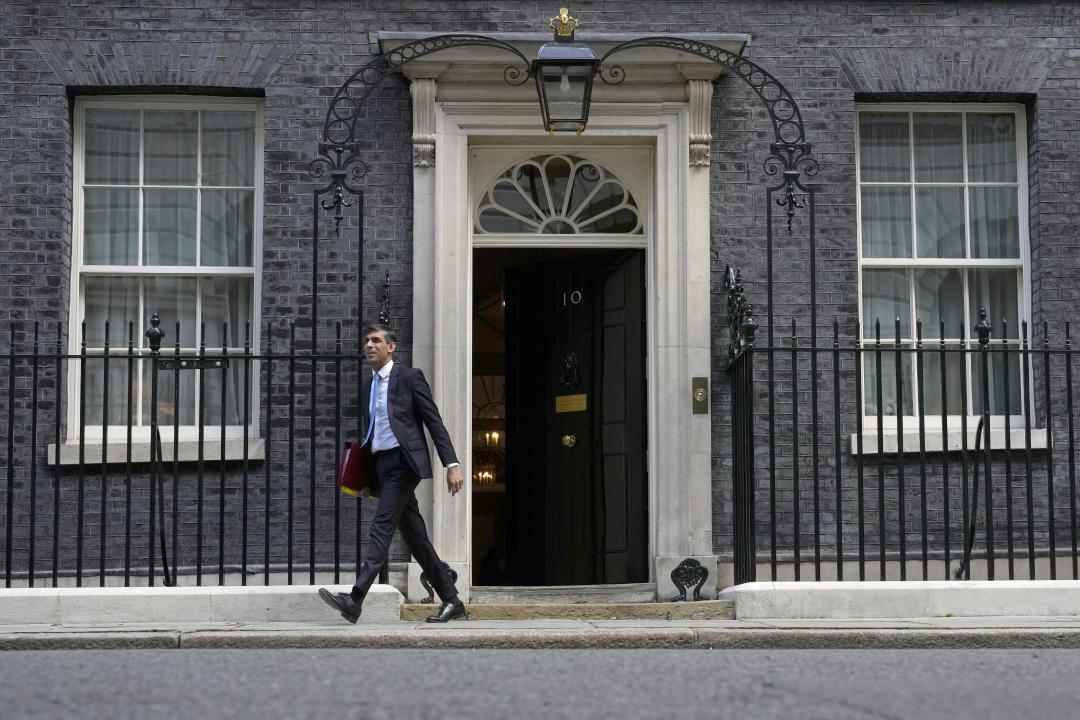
564 72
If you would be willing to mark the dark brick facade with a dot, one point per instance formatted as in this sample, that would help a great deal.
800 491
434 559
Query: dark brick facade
295 55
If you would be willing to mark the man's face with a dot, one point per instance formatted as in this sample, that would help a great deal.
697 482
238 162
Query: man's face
376 350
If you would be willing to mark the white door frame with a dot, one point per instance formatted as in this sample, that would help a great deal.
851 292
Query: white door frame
678 336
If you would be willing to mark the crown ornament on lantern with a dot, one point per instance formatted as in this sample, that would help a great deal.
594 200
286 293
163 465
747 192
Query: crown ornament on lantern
563 25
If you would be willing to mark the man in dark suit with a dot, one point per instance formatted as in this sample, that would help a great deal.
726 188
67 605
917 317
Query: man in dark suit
399 405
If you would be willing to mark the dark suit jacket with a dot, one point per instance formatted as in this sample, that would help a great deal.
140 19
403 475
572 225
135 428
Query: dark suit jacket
409 406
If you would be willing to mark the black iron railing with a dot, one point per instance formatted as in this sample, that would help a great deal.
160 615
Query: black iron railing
152 462
928 459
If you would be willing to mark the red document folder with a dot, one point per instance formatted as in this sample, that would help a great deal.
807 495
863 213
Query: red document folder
352 478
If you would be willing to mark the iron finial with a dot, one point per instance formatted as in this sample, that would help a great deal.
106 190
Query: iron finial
983 328
155 334
749 326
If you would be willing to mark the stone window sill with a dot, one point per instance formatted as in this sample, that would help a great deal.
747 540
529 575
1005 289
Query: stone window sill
187 451
935 444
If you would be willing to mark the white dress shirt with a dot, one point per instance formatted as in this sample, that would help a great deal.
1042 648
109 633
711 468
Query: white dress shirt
383 437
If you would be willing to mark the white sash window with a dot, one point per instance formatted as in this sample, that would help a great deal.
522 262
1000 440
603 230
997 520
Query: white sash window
167 219
942 233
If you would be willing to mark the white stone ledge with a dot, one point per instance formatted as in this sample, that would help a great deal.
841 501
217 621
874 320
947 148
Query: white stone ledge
935 440
281 603
187 451
904 599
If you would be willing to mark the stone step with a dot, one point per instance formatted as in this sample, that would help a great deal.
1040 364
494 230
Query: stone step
701 610
251 603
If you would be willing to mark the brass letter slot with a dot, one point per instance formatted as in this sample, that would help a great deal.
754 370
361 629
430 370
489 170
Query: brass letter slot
699 397
570 403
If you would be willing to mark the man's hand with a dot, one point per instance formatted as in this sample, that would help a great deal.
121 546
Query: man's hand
454 479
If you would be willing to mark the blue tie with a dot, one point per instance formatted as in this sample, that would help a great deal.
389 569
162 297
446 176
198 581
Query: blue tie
371 408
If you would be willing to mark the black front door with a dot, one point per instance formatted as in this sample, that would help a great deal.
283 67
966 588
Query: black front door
576 497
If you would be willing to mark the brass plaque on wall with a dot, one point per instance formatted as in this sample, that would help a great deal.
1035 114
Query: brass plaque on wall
699 398
570 403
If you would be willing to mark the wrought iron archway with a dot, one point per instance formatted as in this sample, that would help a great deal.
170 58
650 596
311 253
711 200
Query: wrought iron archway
789 162
338 157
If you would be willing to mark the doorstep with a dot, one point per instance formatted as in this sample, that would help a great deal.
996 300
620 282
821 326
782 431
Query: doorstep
700 610
562 594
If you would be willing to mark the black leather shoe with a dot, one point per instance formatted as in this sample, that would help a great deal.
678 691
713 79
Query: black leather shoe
450 610
343 603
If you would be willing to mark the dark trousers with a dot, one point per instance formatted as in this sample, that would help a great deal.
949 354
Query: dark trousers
398 508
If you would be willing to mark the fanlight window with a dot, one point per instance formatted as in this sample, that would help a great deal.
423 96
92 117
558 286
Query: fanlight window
557 195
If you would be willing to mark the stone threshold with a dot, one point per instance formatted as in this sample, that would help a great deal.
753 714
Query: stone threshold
700 610
562 594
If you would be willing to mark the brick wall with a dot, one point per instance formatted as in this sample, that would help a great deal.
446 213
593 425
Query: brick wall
295 54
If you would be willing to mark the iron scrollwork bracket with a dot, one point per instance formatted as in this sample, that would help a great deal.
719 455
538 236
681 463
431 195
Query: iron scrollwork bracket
430 599
339 160
741 324
689 572
789 154
791 161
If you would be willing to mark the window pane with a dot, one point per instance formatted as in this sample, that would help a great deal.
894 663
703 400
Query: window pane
954 367
111 227
495 220
118 390
940 216
228 148
991 147
886 222
115 299
883 147
939 295
938 141
885 297
171 141
112 147
999 383
167 405
169 217
586 177
995 290
172 299
995 229
888 382
620 221
512 205
610 195
226 300
530 178
227 227
557 173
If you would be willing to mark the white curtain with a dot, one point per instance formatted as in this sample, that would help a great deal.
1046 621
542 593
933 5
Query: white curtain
883 147
991 147
995 228
225 301
170 148
938 141
228 149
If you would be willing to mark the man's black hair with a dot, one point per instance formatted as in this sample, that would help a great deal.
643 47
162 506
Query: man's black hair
391 336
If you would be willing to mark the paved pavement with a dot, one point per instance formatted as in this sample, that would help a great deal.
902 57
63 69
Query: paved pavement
894 633
548 684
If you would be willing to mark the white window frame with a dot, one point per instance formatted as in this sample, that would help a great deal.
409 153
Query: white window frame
1022 265
79 270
